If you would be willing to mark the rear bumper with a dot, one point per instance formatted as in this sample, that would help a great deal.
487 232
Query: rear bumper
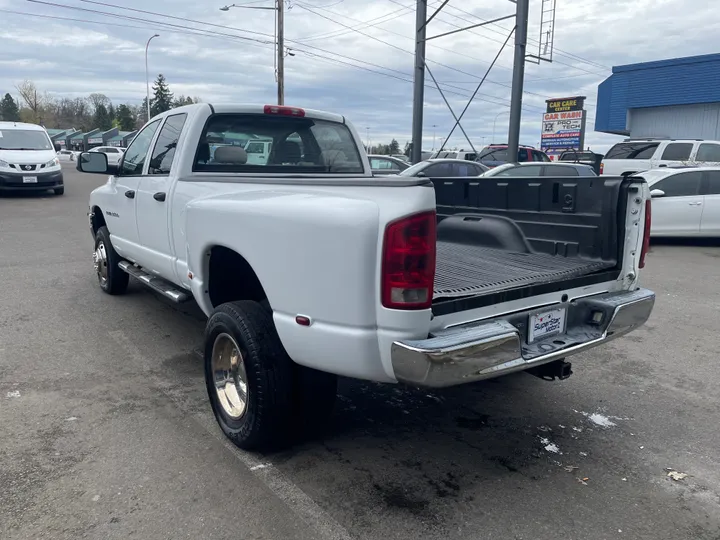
12 181
493 348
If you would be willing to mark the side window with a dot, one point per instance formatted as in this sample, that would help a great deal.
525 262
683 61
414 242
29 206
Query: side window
529 170
713 182
677 151
680 185
559 170
471 156
708 152
136 153
463 169
439 170
164 151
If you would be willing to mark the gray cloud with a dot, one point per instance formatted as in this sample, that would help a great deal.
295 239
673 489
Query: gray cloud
369 82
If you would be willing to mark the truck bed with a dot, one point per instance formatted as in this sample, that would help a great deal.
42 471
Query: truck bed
504 238
464 270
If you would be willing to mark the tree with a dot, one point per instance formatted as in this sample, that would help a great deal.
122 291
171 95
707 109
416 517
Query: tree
9 110
162 99
102 118
124 118
394 147
182 100
33 101
408 149
98 99
111 111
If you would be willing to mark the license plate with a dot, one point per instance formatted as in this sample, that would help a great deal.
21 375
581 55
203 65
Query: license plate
29 179
546 324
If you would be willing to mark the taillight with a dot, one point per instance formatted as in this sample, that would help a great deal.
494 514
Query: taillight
284 111
408 263
602 168
646 233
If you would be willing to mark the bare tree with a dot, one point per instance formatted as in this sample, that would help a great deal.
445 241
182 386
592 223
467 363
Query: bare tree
32 99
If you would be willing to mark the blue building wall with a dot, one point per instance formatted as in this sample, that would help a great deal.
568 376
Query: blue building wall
680 81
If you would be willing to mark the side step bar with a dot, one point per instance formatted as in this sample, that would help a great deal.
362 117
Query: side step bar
168 290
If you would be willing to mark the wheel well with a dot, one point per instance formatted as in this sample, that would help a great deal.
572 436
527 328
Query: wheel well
231 278
97 220
627 173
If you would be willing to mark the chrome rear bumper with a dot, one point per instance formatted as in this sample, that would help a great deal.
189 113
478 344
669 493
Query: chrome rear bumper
493 348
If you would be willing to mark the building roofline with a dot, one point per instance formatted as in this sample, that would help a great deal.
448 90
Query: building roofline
667 63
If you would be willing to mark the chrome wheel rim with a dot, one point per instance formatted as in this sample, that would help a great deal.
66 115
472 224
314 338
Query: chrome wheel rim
100 263
229 376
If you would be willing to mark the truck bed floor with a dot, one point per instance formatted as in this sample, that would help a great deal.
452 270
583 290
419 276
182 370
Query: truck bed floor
464 270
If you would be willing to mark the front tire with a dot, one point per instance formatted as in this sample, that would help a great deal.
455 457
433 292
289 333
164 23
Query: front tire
249 376
112 280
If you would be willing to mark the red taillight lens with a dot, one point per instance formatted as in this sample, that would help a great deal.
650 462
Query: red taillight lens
408 265
284 111
646 233
602 168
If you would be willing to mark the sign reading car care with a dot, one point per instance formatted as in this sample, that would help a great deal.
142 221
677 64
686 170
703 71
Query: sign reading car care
98 140
565 104
563 126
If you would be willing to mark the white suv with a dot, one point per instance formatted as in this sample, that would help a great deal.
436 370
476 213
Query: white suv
635 155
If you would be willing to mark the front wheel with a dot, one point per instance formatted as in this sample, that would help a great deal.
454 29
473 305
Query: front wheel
249 376
111 278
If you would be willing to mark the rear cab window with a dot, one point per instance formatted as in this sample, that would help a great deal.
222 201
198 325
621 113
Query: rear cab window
708 152
634 150
293 145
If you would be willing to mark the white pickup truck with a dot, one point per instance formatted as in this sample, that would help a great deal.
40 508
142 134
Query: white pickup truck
308 267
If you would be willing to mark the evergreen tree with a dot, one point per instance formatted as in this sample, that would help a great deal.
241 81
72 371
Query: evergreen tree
162 99
112 112
9 110
124 118
102 118
394 147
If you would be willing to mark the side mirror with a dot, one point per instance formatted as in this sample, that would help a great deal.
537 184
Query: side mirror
93 162
657 193
57 147
421 175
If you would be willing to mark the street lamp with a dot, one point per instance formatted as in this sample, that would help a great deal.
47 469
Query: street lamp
147 76
434 126
495 122
367 140
280 43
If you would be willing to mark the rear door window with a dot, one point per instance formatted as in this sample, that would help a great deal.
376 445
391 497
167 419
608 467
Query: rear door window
559 170
677 151
641 150
439 170
529 170
464 169
713 187
708 152
493 154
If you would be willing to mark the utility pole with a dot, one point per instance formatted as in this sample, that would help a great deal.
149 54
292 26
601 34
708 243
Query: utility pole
281 51
419 81
521 26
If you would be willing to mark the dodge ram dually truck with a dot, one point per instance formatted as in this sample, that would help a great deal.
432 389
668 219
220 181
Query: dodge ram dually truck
308 267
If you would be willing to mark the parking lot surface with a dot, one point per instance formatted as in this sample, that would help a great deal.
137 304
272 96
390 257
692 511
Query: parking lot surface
107 432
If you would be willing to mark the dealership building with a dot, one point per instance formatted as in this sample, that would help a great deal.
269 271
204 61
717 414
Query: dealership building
677 99
72 139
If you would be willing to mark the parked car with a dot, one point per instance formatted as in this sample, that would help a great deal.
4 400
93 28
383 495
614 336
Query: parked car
633 155
541 169
308 267
386 164
445 168
586 157
66 155
496 154
403 157
28 159
454 154
114 154
685 201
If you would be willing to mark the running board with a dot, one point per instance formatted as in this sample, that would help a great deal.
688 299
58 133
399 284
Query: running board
168 290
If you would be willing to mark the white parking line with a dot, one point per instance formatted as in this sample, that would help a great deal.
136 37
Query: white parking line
325 527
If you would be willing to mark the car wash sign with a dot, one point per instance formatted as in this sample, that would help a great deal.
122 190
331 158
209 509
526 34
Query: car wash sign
563 126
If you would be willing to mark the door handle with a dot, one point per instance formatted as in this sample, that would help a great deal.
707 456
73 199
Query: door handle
159 196
130 194
662 165
695 204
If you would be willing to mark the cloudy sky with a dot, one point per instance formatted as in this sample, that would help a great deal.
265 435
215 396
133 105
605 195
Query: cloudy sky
350 56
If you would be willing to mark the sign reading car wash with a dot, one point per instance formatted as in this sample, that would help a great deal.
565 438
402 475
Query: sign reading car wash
563 126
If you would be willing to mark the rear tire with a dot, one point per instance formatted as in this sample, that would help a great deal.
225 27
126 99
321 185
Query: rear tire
249 376
59 191
112 280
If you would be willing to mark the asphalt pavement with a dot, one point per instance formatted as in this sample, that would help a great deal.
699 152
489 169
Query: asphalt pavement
106 431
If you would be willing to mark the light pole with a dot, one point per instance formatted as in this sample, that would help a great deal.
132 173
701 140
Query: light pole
495 122
367 141
147 76
279 44
434 126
